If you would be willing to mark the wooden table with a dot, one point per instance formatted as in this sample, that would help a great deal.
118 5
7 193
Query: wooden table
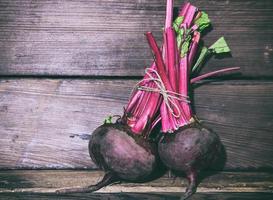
66 65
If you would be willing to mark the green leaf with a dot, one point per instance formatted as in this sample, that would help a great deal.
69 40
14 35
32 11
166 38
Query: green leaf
108 120
179 37
220 46
185 44
204 52
178 40
177 22
203 21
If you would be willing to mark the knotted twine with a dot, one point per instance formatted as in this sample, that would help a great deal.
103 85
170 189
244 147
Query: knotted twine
168 96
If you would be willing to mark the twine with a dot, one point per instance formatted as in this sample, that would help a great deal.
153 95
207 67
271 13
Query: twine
168 96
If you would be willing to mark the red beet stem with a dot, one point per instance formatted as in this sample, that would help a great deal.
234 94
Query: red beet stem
194 47
178 70
169 14
160 67
190 15
149 111
172 54
143 105
185 65
203 76
133 101
184 87
165 124
184 9
137 95
169 78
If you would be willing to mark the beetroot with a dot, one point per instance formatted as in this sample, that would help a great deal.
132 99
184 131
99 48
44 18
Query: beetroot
123 149
123 155
185 146
115 149
190 150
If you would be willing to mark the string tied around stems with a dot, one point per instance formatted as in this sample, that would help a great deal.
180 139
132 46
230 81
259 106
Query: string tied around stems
168 96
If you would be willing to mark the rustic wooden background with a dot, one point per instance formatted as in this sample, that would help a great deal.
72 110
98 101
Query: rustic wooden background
65 65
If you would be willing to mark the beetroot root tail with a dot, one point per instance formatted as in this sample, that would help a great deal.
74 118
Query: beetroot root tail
108 179
191 189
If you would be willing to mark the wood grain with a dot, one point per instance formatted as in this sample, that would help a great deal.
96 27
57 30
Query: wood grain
48 181
105 37
137 196
45 123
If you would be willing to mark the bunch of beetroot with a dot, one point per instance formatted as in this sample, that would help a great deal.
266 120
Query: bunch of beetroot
123 149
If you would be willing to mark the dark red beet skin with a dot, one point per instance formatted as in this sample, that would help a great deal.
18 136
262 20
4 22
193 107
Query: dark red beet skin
189 150
122 155
128 157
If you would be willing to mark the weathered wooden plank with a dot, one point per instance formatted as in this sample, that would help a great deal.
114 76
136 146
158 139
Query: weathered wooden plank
48 181
106 37
45 123
137 196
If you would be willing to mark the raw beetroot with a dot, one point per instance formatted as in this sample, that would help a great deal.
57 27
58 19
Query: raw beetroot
190 149
126 155
123 155
123 148
186 146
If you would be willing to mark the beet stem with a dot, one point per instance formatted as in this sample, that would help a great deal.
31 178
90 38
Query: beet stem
209 74
172 54
161 69
184 9
169 14
143 103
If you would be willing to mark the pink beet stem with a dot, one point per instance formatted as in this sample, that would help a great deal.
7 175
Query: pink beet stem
169 14
160 67
143 105
165 52
185 64
137 95
135 108
148 111
168 121
164 118
174 71
133 100
183 85
158 59
198 78
168 24
172 54
189 16
183 76
184 9
179 76
194 46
